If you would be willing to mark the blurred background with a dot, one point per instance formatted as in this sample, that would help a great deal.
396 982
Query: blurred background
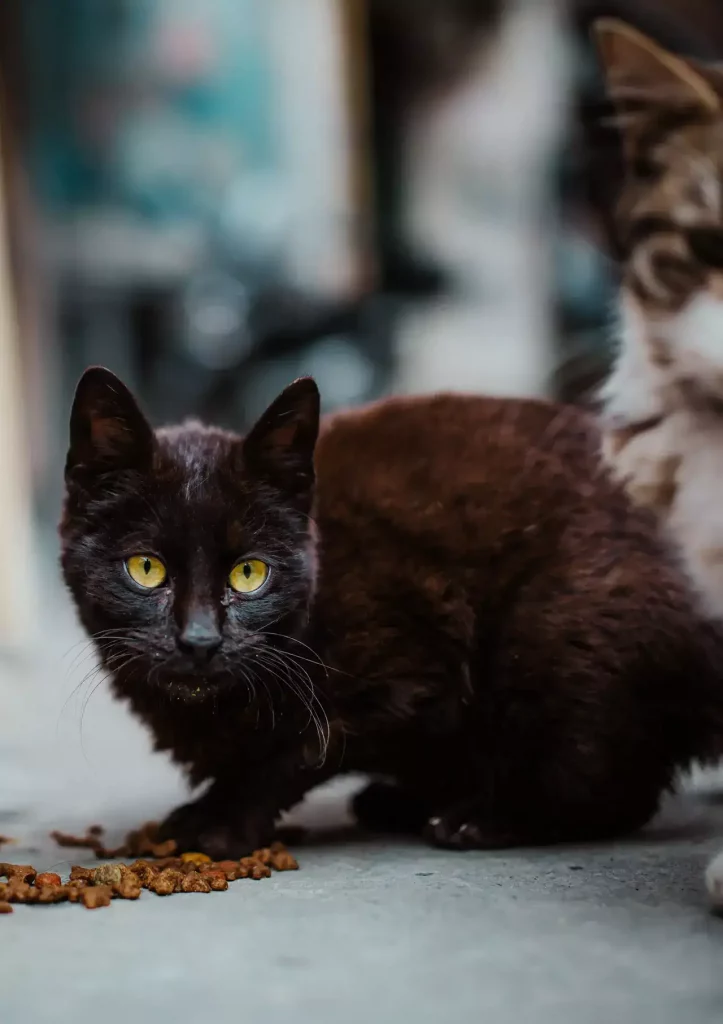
211 197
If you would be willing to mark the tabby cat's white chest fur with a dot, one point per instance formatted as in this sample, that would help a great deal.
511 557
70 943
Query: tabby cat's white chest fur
668 451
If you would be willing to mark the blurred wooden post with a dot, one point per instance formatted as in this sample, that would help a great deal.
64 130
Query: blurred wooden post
16 564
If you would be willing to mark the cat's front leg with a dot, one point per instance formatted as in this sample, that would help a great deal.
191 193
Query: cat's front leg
219 825
231 818
388 808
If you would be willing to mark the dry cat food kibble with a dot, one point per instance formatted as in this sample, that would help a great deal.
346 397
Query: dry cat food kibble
94 896
108 874
21 872
165 875
195 858
47 878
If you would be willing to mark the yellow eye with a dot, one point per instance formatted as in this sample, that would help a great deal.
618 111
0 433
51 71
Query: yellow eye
146 571
247 577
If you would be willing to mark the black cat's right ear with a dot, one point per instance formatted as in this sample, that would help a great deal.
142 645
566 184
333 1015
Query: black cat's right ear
280 447
108 431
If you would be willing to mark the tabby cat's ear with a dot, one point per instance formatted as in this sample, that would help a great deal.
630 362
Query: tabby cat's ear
280 448
641 74
108 431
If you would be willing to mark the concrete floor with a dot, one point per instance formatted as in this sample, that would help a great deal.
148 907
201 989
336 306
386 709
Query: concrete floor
368 930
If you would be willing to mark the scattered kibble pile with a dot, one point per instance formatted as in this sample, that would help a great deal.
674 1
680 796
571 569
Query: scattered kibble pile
165 875
142 842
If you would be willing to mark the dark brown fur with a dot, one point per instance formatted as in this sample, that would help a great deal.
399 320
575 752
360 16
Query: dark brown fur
492 625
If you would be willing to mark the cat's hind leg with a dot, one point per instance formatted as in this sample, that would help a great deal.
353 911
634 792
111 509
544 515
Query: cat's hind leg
469 825
386 807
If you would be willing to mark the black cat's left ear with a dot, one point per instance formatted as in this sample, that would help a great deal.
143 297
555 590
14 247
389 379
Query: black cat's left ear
280 448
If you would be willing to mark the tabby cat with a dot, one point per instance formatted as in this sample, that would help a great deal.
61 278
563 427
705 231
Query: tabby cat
664 400
445 592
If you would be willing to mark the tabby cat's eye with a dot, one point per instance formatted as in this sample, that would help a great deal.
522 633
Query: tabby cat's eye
249 576
145 570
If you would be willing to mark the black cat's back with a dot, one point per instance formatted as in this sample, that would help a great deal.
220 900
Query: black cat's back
481 574
527 461
467 482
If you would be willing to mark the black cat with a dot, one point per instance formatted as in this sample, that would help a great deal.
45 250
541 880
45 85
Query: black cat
445 592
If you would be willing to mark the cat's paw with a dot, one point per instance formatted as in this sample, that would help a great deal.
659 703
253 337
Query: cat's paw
200 827
461 829
224 842
714 881
185 824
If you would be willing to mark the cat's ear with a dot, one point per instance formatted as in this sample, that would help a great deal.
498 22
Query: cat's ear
280 447
640 74
108 431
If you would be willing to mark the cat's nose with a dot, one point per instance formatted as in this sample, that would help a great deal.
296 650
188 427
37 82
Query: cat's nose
200 639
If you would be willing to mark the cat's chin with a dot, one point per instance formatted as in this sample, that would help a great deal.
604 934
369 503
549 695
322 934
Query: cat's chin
195 689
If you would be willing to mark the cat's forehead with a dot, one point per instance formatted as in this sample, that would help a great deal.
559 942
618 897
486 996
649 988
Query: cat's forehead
193 451
198 489
678 174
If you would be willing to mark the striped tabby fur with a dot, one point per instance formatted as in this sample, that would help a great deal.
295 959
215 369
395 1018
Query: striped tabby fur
664 399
